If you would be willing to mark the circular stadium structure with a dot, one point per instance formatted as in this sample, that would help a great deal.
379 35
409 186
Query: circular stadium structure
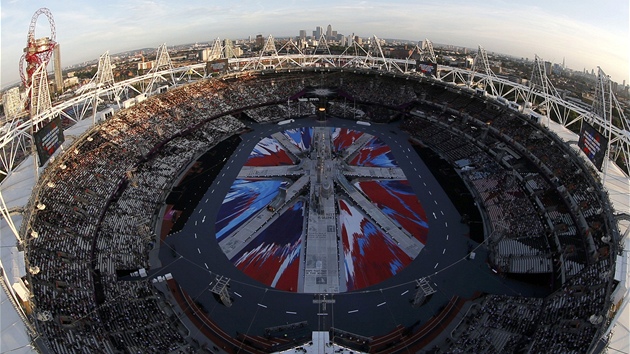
315 203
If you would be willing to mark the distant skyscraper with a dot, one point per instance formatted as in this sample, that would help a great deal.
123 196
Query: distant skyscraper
342 41
302 34
548 67
11 103
317 33
329 32
57 68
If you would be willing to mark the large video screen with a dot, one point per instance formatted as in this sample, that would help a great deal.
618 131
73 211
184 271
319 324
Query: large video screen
593 144
48 139
427 68
217 66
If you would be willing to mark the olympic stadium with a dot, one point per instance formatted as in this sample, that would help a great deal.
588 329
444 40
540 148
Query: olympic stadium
315 203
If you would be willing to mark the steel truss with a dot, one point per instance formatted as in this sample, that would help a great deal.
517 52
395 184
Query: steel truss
539 96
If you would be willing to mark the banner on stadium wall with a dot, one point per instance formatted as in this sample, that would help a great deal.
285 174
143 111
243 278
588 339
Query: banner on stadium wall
48 139
217 66
593 144
427 68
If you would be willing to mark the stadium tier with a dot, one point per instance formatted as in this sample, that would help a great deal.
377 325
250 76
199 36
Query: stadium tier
444 222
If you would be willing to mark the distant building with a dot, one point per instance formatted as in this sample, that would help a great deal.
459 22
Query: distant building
497 69
57 68
145 65
342 41
303 35
548 67
71 81
329 33
317 33
11 103
204 54
260 40
237 51
229 50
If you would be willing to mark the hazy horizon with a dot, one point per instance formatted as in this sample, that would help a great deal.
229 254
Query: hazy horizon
586 36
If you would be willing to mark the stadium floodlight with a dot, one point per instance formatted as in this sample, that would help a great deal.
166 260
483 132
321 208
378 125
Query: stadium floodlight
34 270
44 316
595 319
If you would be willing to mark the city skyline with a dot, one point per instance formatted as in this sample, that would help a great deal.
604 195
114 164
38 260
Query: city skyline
587 36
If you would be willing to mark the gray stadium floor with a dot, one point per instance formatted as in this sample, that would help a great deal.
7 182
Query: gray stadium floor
371 311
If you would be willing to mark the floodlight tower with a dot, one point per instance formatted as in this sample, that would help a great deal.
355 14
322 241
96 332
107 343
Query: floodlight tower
38 50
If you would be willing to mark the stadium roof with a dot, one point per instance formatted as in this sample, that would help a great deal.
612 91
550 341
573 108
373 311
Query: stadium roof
16 191
620 338
14 337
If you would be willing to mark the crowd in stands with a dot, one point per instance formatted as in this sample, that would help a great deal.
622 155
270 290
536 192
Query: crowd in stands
560 323
137 320
100 203
384 91
347 110
566 323
518 239
519 173
496 324
95 208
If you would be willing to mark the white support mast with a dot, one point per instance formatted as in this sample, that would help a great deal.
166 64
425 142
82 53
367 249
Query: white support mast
608 116
216 51
481 65
163 66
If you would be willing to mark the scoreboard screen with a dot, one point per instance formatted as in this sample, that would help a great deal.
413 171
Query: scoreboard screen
217 66
593 144
427 68
48 139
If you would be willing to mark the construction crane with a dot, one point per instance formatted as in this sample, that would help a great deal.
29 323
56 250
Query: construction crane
38 50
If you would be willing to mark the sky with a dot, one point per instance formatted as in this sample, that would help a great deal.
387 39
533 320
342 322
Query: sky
587 34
